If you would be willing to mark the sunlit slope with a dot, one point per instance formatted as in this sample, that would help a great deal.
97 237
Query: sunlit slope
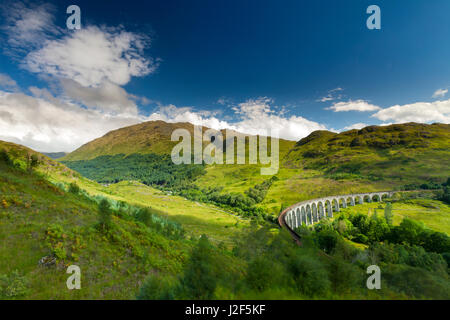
399 152
39 220
144 138
324 163
327 163
196 218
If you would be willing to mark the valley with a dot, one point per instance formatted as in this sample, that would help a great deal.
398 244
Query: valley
165 219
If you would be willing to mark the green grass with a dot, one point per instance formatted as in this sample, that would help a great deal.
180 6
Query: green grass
197 218
326 163
37 219
433 213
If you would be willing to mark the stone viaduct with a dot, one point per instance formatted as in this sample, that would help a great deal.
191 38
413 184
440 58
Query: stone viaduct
312 211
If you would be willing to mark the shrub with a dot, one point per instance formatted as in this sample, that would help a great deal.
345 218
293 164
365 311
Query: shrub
4 157
446 195
327 240
157 287
74 188
12 285
264 273
311 277
104 209
415 282
143 215
360 238
388 214
344 276
199 280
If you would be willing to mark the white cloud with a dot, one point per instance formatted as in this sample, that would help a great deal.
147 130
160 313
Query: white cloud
108 96
256 117
332 95
92 56
27 25
437 111
7 82
358 105
440 93
89 65
355 126
46 123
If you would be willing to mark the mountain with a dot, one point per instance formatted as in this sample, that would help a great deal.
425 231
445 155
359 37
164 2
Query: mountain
54 155
144 138
48 224
323 163
409 151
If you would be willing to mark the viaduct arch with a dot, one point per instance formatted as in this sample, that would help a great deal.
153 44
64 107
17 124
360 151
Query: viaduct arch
312 211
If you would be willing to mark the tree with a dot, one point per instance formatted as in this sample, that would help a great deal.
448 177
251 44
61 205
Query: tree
74 188
344 276
311 277
327 240
32 161
104 209
408 231
144 216
199 280
157 287
388 215
446 195
4 157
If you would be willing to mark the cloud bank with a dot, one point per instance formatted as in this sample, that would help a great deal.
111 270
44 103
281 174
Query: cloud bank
425 112
358 105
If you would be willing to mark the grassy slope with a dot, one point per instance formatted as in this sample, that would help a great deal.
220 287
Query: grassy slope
197 219
433 213
324 163
146 137
327 163
36 219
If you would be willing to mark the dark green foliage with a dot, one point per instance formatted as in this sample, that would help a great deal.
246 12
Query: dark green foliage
435 241
74 188
104 210
375 229
310 275
416 282
446 195
388 215
13 285
327 240
344 277
369 229
32 161
150 169
143 215
5 158
258 193
264 273
414 256
422 186
199 280
237 202
157 287
169 229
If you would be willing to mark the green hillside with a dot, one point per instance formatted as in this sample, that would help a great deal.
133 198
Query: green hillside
324 163
398 152
40 221
327 163
148 137
48 223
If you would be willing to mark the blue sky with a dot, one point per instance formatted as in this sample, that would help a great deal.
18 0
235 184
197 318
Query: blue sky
296 66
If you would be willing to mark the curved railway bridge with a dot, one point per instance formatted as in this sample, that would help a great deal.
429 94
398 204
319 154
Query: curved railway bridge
312 211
